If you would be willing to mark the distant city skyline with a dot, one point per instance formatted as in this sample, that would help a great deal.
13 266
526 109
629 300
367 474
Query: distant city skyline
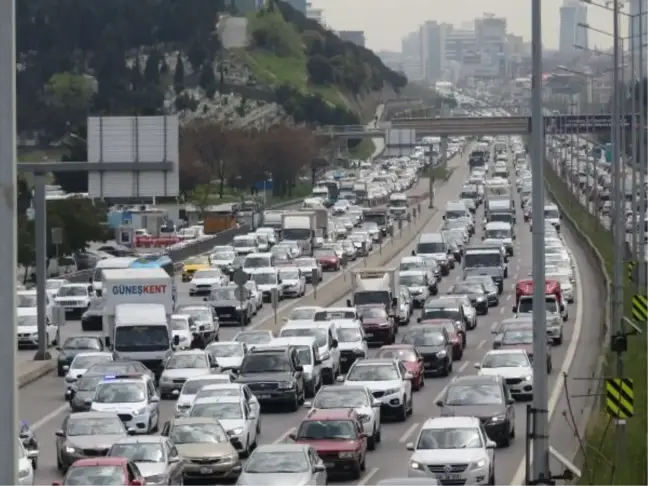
385 23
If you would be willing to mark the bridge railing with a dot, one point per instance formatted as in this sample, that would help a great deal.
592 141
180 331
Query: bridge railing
335 129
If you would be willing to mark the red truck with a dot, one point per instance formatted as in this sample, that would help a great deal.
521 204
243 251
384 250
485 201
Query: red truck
553 295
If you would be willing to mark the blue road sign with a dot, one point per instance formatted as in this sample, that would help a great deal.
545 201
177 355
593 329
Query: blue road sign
581 123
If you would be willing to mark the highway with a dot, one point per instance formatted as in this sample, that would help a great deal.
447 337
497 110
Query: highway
42 405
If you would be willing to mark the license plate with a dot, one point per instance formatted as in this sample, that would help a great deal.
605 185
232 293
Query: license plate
369 334
206 470
225 315
329 464
448 477
263 396
427 365
343 359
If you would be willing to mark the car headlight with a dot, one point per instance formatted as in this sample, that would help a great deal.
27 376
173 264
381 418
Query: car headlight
236 431
286 385
480 463
23 473
392 391
417 465
364 418
70 449
480 299
347 455
442 353
140 411
498 418
528 378
158 478
359 352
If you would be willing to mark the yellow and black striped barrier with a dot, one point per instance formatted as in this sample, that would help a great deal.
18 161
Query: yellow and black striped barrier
640 308
631 266
619 394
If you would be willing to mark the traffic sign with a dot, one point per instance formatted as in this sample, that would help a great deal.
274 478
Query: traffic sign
619 394
240 277
581 123
640 308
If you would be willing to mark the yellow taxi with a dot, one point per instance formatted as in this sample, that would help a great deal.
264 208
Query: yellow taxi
193 264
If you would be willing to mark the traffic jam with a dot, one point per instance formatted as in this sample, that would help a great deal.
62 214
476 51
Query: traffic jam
174 383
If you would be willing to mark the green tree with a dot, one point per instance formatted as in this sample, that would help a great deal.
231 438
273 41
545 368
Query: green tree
320 70
200 197
208 80
26 245
73 182
179 75
152 68
68 98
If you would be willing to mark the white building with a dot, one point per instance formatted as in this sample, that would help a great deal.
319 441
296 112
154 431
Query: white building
572 13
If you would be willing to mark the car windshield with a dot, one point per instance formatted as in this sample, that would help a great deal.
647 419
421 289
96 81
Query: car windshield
94 426
407 266
81 362
256 262
244 243
306 263
88 383
460 438
192 387
304 354
219 393
253 337
349 334
404 354
327 430
218 411
184 361
474 394
120 393
207 274
466 289
482 260
486 282
373 373
340 398
72 291
526 305
224 256
276 462
372 312
179 324
103 475
200 260
505 360
197 433
551 213
26 321
26 300
139 451
302 314
412 280
198 314
455 214
289 274
521 336
497 234
333 315
423 337
452 313
320 334
54 284
81 343
265 278
225 350
265 363
324 253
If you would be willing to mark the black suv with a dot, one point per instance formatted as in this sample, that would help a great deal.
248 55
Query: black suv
275 375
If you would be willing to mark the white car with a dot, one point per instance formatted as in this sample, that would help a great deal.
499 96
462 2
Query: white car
445 445
181 366
27 323
236 417
389 382
513 365
25 467
352 342
301 315
358 398
203 318
566 285
227 354
293 281
206 280
240 390
183 327
53 285
82 362
255 294
416 282
74 297
193 385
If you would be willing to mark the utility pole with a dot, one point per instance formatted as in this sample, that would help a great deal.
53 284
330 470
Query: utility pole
642 145
8 250
540 416
633 129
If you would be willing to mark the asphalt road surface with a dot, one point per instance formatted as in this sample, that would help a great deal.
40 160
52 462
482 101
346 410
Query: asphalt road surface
42 404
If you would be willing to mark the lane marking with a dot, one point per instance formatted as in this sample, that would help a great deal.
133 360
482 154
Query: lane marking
481 344
284 436
501 310
463 367
518 478
408 432
508 297
440 394
50 416
370 474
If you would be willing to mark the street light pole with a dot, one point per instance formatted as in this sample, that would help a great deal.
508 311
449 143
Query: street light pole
540 467
642 146
633 129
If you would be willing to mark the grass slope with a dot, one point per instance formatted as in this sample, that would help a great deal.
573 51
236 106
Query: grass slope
604 464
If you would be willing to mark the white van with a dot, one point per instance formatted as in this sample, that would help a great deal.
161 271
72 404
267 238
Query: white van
309 357
245 244
258 261
398 205
117 263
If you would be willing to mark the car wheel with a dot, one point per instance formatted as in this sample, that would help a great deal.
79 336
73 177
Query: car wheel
558 341
402 412
371 441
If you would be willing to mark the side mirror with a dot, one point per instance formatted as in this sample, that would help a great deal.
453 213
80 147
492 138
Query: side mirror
320 468
409 446
510 401
419 320
299 368
408 376
56 483
131 431
66 368
413 252
340 379
375 403
107 341
334 344
477 366
348 303
174 459
292 436
137 482
490 444
514 309
308 405
176 340
59 433
154 399
318 362
439 403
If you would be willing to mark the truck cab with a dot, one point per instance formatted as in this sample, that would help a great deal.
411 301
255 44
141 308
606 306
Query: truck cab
375 286
398 205
553 298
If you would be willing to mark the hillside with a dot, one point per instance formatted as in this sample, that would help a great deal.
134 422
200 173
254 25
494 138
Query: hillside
317 77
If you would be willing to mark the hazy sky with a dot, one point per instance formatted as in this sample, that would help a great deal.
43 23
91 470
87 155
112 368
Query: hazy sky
385 22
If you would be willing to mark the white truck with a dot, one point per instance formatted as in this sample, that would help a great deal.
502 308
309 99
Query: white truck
375 286
361 191
138 304
300 226
321 225
272 218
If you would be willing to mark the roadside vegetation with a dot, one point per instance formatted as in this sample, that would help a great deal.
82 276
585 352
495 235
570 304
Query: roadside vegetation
602 464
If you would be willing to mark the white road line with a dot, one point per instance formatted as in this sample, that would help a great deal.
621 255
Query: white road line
410 430
367 477
284 436
518 478
50 416
463 366
501 310
481 344
508 297
440 394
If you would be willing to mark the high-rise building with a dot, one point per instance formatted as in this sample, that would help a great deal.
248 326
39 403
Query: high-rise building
458 43
490 36
573 13
432 37
412 61
638 9
355 36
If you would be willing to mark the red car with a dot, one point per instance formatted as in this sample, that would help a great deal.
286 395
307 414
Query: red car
523 339
412 360
377 325
328 259
103 470
338 437
456 335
